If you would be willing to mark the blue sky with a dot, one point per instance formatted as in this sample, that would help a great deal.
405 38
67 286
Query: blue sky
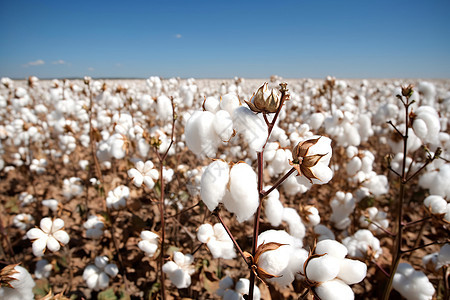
223 39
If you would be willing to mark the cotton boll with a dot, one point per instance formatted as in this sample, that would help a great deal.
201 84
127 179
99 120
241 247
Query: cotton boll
437 181
352 271
412 284
316 120
273 208
205 232
323 268
436 204
334 290
214 183
353 166
243 197
200 134
22 286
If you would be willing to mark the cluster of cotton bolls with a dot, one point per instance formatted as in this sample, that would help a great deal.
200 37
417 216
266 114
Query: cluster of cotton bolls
363 244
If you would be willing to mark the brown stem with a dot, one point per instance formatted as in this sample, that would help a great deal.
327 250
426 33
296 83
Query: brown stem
426 245
183 211
279 181
381 269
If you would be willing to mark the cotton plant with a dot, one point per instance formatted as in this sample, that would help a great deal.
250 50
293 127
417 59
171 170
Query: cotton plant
144 173
98 275
149 243
330 273
117 198
412 284
180 269
235 187
228 290
49 236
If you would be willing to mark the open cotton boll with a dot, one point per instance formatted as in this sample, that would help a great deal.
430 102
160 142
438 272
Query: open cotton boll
251 127
273 208
149 243
296 226
426 124
352 271
242 287
286 261
223 125
243 199
334 290
164 108
180 270
323 268
214 183
353 166
22 286
362 243
412 284
436 204
200 135
205 232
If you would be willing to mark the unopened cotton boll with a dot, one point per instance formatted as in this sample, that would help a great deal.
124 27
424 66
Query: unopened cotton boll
412 284
243 197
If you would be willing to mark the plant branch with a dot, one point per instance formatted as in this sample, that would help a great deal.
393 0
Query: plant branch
426 245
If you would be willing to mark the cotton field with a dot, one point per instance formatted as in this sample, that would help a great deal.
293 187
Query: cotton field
224 189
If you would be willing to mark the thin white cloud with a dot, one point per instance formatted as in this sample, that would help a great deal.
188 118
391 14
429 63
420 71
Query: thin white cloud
35 63
178 36
91 69
59 62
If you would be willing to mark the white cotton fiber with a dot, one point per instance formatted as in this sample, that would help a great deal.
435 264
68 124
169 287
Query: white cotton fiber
334 290
412 284
223 125
200 135
352 271
251 127
296 227
214 183
205 232
331 247
229 102
243 198
323 268
273 208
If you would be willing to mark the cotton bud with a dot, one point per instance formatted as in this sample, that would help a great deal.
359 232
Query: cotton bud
50 235
311 159
412 284
264 100
149 243
425 123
